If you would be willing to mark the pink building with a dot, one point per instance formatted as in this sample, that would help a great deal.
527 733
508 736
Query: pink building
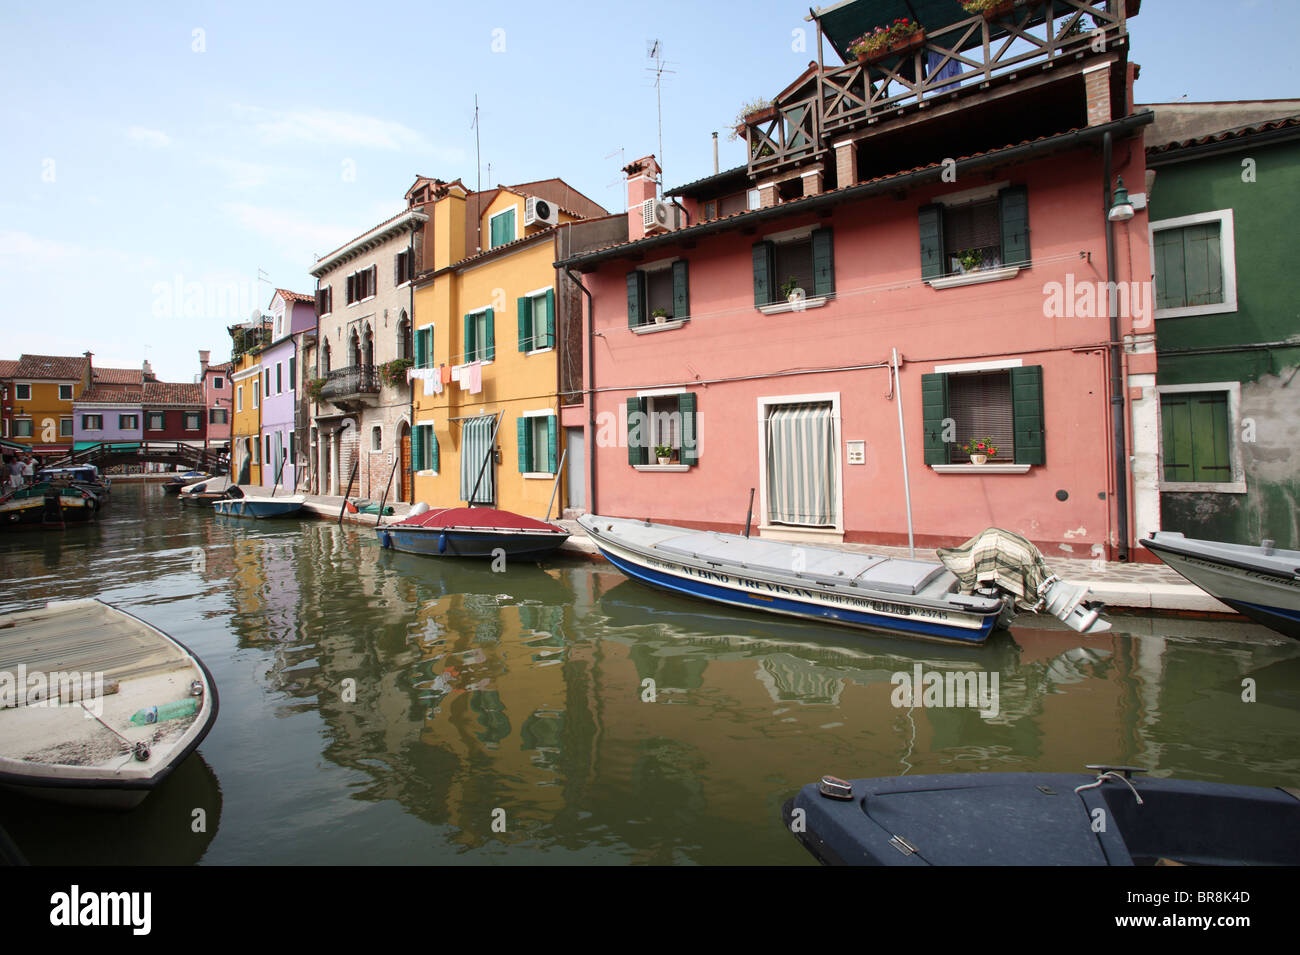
746 336
217 400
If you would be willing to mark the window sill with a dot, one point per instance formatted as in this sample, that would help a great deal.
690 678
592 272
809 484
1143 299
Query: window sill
652 326
1204 487
662 467
980 468
976 278
779 308
426 473
1187 311
538 475
539 351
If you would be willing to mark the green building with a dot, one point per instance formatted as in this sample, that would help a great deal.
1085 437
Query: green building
1223 192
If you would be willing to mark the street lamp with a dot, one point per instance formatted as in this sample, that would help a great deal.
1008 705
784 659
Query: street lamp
1121 210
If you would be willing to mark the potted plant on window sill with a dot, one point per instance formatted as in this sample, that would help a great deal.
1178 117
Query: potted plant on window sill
968 261
980 450
660 315
992 9
664 454
791 291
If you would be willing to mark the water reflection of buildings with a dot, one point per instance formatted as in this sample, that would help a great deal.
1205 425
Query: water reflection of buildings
525 692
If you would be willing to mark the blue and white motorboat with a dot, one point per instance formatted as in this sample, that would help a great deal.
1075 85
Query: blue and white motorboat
1044 819
1262 582
978 588
238 504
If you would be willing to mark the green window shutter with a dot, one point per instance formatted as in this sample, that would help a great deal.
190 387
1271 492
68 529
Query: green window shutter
419 349
1013 204
930 220
550 319
635 298
934 411
432 442
763 268
525 434
552 440
637 431
417 448
490 342
681 290
690 450
524 306
823 253
468 354
1176 435
1027 414
1202 253
1171 271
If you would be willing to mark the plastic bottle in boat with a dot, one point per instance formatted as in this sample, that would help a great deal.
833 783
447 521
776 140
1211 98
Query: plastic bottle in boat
167 711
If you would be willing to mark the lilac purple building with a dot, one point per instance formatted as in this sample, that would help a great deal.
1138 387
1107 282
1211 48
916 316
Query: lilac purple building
292 316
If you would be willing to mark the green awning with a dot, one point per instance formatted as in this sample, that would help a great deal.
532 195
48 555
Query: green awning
842 23
8 445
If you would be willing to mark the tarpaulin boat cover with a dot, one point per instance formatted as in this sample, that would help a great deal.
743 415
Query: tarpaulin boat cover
999 557
477 518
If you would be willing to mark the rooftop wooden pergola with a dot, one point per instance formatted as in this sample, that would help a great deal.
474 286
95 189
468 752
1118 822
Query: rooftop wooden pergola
960 54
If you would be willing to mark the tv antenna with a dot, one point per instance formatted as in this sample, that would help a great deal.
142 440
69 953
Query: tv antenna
622 161
654 51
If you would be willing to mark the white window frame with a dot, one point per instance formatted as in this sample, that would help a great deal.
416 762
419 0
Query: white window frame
543 413
162 414
91 414
61 387
1238 483
31 421
22 384
380 429
532 300
666 393
515 209
434 436
779 531
239 398
474 314
1227 258
185 421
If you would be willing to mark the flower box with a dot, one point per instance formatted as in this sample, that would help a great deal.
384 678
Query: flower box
898 47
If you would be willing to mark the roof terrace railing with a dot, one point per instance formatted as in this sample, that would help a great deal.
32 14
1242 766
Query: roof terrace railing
968 53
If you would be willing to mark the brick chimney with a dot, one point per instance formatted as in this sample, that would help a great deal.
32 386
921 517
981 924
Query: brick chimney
642 184
147 370
203 360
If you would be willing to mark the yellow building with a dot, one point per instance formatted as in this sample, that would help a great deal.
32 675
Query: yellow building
246 422
45 387
486 361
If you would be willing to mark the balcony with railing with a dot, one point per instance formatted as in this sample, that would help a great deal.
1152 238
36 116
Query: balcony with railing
350 385
955 54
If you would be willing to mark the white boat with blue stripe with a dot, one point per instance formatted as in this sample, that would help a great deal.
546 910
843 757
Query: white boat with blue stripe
917 598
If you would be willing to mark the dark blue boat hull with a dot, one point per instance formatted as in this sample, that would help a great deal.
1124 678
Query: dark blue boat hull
1038 819
464 543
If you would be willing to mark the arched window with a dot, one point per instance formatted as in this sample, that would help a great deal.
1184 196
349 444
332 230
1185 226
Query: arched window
376 438
325 359
355 350
404 346
368 349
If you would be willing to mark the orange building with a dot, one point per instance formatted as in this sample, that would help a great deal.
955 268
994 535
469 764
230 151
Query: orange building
44 388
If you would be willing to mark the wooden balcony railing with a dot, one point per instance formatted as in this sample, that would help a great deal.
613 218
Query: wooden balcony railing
967 53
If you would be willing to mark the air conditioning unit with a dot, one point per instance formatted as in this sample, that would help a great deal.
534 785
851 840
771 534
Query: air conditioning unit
540 212
659 216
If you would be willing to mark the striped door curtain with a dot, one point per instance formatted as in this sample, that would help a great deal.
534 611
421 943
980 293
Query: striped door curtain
475 446
277 446
801 465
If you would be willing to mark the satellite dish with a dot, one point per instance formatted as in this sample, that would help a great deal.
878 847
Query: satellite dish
256 316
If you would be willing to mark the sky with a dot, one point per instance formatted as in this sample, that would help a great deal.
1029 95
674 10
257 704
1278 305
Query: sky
167 165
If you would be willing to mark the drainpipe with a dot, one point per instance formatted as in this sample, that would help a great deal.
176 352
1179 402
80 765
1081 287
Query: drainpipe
410 317
590 389
1116 363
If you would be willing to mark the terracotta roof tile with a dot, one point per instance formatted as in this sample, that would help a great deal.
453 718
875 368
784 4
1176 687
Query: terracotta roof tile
118 376
8 367
295 296
106 394
50 367
172 393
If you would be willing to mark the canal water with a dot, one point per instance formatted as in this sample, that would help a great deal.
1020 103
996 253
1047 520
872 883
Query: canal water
386 708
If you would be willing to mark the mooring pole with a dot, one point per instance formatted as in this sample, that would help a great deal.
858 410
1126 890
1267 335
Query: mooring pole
558 471
344 506
397 459
749 516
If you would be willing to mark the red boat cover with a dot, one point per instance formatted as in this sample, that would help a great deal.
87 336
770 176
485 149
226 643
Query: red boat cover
477 518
